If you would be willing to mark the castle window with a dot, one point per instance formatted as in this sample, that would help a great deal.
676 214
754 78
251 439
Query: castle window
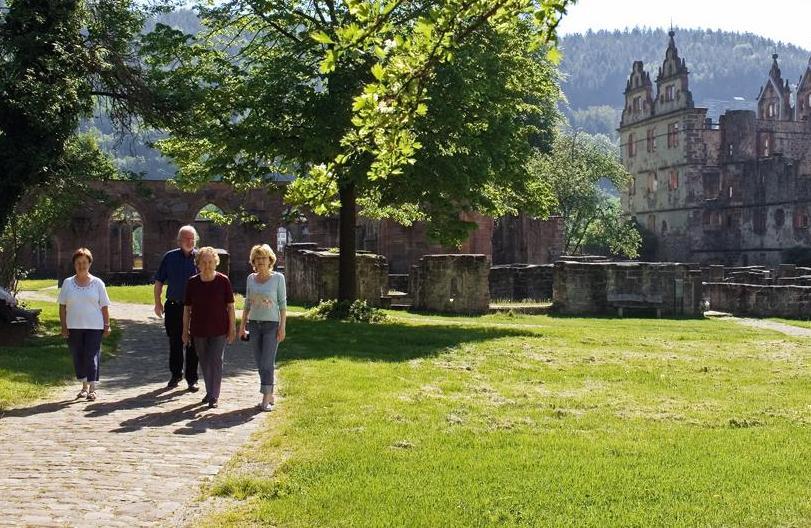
632 186
673 182
652 223
672 135
712 185
669 92
631 146
779 218
766 147
759 221
651 140
653 182
771 110
712 219
664 227
637 103
731 150
729 192
800 219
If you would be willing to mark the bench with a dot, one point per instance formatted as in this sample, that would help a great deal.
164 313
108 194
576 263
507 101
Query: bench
625 301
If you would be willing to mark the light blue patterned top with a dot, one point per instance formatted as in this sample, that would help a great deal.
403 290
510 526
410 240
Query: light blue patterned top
264 300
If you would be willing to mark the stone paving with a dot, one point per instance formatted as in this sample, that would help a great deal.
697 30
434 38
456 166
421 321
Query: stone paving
136 456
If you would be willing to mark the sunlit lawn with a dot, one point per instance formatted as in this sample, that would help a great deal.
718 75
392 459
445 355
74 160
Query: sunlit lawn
530 421
36 284
28 372
140 294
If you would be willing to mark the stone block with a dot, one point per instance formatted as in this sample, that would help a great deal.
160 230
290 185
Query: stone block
451 283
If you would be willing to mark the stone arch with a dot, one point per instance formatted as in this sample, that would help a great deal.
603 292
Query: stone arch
211 233
126 239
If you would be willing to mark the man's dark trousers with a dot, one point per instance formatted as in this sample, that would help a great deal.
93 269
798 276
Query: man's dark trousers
173 319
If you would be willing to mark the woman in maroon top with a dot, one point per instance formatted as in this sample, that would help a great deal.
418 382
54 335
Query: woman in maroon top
209 319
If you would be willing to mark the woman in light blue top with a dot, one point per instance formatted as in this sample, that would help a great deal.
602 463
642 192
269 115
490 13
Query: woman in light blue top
264 316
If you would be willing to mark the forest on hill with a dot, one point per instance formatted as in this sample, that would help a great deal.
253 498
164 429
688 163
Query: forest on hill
726 71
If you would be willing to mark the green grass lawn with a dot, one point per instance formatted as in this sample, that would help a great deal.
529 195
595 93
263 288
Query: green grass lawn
140 294
28 372
530 421
36 284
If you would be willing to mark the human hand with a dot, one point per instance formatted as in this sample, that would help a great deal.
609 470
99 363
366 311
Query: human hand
242 333
186 337
106 330
65 331
159 309
232 334
280 334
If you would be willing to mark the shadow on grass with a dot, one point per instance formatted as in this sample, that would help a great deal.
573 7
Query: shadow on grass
309 339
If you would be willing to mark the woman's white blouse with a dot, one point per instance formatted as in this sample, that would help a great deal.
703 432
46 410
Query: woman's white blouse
83 303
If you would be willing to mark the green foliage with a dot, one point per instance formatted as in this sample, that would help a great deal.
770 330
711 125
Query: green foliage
612 232
427 110
357 311
44 205
573 172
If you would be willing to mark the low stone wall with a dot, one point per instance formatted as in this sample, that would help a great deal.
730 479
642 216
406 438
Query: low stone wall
451 283
792 302
518 282
311 274
670 289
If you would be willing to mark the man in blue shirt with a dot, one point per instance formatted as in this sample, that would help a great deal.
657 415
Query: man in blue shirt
175 270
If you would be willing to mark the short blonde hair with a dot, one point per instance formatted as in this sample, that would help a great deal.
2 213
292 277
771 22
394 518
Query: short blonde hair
262 250
207 250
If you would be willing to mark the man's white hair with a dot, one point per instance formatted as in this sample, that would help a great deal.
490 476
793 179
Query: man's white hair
189 228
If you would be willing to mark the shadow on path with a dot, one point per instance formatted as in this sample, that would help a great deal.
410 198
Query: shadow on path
216 420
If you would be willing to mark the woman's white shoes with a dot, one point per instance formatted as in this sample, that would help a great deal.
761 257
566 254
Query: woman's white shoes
266 407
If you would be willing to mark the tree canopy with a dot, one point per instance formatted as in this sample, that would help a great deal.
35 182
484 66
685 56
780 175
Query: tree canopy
573 172
414 110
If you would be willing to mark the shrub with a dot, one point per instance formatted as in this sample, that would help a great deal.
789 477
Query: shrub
357 311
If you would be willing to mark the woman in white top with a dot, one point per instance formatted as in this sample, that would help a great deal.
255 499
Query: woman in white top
85 318
265 315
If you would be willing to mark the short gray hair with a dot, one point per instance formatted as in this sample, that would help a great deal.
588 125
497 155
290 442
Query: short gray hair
189 228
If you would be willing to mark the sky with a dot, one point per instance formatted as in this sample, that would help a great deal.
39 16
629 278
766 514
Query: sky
786 20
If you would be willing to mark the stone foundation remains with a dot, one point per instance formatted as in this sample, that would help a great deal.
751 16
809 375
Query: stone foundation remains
451 283
519 282
669 289
793 302
311 274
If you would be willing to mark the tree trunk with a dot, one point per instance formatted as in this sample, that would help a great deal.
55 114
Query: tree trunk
347 287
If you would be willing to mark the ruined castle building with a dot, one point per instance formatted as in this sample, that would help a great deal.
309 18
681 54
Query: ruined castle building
737 192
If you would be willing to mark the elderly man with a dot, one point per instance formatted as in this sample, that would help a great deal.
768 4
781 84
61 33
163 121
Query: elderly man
177 266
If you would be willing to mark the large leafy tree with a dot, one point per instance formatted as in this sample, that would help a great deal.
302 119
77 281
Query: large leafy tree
57 59
412 110
576 172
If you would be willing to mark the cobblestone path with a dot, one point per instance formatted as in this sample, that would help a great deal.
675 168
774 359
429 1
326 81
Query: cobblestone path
138 454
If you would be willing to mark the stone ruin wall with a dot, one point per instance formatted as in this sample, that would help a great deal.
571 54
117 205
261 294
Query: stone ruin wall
784 291
451 284
311 274
601 288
